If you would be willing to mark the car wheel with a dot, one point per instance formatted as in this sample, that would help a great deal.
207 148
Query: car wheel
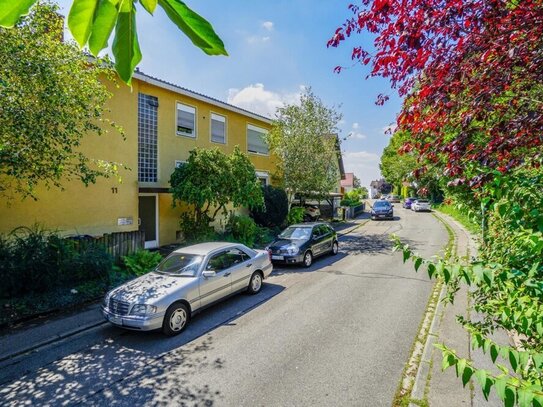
255 285
176 319
308 259
335 248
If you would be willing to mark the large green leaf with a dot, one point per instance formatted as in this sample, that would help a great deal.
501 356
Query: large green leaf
149 5
81 18
12 10
195 27
104 21
126 48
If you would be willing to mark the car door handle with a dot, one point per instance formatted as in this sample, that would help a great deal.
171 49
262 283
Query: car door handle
227 274
249 265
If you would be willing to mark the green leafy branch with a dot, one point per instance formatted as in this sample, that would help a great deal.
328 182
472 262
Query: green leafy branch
91 23
510 390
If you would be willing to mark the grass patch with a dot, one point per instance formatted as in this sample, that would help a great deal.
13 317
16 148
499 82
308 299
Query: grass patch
460 216
402 398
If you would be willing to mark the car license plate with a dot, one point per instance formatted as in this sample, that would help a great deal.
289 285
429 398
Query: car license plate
115 320
278 257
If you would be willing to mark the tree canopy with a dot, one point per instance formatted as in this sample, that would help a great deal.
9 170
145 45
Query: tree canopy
471 75
304 138
92 22
50 98
210 180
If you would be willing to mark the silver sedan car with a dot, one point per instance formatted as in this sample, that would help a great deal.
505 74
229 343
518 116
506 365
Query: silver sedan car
185 282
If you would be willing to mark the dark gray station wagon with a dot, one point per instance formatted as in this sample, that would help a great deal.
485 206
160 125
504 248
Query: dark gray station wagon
303 242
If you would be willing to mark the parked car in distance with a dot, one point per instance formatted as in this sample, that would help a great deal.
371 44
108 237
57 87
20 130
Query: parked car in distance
185 282
303 242
394 198
382 210
312 212
421 205
408 202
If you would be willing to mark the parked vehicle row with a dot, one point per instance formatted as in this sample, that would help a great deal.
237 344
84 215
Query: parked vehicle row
384 209
193 278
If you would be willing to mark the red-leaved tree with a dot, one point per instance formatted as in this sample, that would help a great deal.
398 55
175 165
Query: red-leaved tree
471 72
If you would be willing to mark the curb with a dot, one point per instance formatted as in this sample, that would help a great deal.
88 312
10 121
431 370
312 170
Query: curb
54 339
347 231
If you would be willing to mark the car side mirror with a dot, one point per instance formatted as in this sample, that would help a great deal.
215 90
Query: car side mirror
209 273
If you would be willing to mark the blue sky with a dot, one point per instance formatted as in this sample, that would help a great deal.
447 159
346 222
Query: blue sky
275 47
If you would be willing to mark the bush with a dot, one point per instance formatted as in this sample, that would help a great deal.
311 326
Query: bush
275 209
142 261
243 229
195 230
34 260
296 215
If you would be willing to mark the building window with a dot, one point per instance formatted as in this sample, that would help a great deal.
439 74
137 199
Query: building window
147 138
263 177
186 120
218 128
255 140
179 163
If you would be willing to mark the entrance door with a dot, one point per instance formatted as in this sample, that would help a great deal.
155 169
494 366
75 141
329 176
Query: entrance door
148 216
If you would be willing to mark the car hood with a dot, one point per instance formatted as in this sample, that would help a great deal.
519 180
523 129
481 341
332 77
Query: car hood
277 244
381 210
149 288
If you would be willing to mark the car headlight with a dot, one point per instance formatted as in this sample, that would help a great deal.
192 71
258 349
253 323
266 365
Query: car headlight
106 300
143 309
292 249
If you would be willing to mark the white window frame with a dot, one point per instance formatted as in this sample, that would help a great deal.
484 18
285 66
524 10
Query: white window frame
218 117
263 175
179 163
188 109
257 129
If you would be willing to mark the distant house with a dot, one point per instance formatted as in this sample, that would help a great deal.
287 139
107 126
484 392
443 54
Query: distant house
379 187
347 184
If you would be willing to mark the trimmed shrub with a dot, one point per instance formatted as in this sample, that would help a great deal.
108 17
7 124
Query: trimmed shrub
275 209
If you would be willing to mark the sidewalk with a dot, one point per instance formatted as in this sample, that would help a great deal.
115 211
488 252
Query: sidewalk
444 389
40 332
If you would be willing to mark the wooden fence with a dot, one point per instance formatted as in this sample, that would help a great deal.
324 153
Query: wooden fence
117 244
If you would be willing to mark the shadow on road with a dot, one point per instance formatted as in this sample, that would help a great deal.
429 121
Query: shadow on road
98 374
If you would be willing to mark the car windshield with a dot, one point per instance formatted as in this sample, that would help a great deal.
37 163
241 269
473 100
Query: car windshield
422 201
296 232
180 264
381 204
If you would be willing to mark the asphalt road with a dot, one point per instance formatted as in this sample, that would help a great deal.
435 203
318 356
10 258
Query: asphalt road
336 334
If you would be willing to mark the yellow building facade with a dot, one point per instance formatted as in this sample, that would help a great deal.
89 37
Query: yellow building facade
162 123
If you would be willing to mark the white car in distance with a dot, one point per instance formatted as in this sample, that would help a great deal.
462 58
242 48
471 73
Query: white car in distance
421 205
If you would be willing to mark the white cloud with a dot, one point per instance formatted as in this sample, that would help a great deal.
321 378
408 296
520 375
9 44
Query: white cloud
257 39
256 98
355 133
364 164
267 25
